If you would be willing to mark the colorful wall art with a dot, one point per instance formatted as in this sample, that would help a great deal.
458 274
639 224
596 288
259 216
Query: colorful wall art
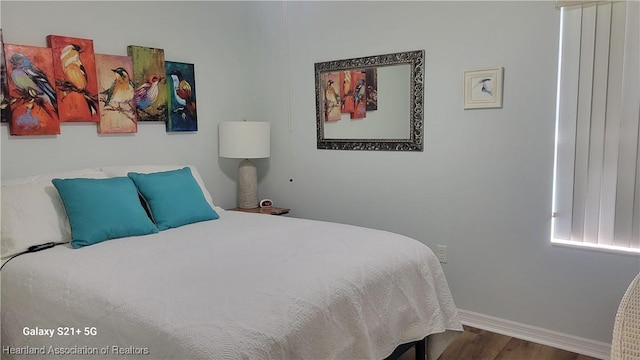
33 98
354 90
40 87
359 94
371 77
74 66
346 92
149 79
331 96
181 86
116 89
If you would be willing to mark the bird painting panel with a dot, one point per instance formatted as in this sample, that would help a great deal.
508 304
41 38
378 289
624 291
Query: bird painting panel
5 109
149 71
117 107
181 86
76 82
371 77
359 95
34 107
346 92
331 96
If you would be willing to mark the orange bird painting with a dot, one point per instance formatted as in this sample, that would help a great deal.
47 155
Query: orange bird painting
76 83
33 99
331 96
117 106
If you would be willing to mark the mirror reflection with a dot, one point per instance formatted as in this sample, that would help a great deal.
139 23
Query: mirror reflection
389 120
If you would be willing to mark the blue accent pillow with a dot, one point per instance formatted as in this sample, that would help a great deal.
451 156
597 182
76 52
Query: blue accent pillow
103 209
174 198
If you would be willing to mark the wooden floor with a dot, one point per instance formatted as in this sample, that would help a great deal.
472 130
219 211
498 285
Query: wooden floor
479 344
476 344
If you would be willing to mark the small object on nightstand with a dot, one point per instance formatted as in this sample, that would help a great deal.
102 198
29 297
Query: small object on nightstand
271 210
266 203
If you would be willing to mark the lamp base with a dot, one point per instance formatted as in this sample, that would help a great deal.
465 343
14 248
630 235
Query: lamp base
247 185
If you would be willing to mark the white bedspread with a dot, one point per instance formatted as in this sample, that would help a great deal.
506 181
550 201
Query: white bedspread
246 286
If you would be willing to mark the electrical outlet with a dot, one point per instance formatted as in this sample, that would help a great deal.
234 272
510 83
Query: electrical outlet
441 253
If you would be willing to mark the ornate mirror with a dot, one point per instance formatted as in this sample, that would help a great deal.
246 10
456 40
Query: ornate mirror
371 103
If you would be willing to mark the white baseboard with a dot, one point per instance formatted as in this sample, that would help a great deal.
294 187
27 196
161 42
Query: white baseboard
535 334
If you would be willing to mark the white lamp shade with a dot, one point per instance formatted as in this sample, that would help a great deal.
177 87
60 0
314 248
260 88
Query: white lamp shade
244 139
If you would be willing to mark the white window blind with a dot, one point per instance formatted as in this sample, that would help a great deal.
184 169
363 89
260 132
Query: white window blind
597 174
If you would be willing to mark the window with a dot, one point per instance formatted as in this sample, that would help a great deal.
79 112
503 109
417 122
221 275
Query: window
597 164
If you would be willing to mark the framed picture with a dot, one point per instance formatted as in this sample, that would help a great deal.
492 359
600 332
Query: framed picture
181 82
149 78
34 106
331 96
116 89
483 88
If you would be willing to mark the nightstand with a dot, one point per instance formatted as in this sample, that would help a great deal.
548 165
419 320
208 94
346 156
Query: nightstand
272 210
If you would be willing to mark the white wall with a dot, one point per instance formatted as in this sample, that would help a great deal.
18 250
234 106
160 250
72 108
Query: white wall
482 186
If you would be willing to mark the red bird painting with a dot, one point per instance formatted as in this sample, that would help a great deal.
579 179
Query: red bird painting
346 92
76 83
359 95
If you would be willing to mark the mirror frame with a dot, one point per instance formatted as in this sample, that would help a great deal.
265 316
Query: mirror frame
415 60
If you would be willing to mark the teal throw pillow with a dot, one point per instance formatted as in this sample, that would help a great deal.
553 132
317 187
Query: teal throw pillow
103 209
174 198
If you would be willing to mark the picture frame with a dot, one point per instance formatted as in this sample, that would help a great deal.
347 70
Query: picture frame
117 106
483 88
33 111
181 88
75 79
149 79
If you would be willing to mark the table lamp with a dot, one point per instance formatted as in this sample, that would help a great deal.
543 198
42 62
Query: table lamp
245 140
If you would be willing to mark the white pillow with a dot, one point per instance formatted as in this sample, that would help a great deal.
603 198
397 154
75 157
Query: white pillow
32 212
113 171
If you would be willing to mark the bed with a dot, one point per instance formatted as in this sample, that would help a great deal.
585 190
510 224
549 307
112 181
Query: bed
241 286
